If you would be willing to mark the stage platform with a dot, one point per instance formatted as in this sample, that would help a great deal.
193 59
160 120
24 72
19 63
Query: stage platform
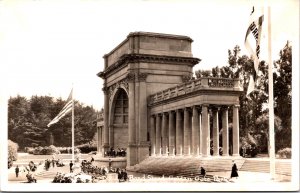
115 162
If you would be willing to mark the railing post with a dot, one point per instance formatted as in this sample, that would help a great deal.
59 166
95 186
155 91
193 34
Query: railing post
204 82
236 83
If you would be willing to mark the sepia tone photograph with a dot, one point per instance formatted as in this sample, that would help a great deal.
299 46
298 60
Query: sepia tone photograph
149 95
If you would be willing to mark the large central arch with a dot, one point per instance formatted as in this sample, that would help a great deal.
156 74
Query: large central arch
118 127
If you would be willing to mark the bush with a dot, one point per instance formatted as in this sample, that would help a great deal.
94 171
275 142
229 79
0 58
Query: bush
12 150
285 153
64 149
87 148
46 150
53 149
29 150
12 153
38 150
10 163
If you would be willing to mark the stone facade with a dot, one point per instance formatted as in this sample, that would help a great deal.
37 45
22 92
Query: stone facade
167 112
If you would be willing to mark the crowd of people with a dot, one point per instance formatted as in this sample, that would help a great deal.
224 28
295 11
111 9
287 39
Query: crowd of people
30 168
53 162
101 172
88 169
120 152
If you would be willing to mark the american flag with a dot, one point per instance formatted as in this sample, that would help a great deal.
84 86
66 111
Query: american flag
65 110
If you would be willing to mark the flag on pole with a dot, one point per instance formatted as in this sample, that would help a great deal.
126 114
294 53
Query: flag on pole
252 44
65 110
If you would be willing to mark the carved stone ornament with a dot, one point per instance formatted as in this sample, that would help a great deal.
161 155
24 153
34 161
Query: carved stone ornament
131 76
105 90
186 78
112 89
142 76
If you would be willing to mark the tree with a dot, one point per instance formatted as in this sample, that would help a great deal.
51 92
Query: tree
261 131
203 73
28 121
283 95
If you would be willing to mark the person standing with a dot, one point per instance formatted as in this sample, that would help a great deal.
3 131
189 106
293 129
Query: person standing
71 166
234 171
17 170
202 172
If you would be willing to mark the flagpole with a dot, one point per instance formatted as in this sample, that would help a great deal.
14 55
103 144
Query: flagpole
72 124
271 102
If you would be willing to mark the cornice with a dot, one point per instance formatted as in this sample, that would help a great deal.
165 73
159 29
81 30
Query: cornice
136 58
160 35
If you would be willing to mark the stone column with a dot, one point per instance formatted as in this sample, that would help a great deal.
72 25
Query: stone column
106 120
152 134
99 137
131 153
216 131
164 133
200 134
195 131
111 135
158 135
179 132
208 120
205 131
235 131
225 133
171 133
143 148
186 132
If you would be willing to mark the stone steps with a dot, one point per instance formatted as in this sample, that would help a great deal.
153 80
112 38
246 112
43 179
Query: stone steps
185 166
281 167
45 174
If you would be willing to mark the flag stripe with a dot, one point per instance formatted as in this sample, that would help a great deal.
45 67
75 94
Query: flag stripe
63 113
65 110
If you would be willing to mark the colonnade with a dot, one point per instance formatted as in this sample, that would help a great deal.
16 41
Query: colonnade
186 131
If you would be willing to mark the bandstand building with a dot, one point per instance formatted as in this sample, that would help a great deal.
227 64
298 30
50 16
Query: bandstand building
153 107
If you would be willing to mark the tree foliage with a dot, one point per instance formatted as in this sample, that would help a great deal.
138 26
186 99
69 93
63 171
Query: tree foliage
283 96
28 119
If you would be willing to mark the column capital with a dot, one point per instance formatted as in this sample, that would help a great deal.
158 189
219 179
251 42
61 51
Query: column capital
171 111
131 76
165 113
153 115
188 109
158 114
215 108
224 108
178 110
236 106
142 77
205 105
105 90
198 107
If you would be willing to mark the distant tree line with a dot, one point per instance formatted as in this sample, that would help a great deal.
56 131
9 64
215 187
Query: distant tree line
28 119
253 113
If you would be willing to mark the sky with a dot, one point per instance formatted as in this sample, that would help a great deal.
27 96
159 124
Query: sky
48 46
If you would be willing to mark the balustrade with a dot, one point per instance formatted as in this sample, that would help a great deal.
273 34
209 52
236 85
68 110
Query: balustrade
194 85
